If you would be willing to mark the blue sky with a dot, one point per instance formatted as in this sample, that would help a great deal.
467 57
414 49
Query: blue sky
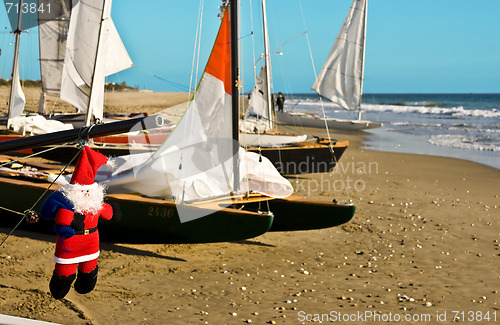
412 46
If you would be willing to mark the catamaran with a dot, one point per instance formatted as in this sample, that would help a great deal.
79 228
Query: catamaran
341 78
200 185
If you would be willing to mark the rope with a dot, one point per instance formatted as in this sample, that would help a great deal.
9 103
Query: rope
12 211
43 194
278 50
35 154
172 83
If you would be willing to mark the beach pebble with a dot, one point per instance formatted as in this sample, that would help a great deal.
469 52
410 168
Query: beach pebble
428 304
233 314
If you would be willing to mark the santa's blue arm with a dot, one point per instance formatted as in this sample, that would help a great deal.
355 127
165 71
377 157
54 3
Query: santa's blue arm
54 202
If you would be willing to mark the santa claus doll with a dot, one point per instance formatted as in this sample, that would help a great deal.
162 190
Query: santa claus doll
76 209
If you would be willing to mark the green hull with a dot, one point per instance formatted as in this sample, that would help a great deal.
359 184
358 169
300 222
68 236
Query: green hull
294 214
144 220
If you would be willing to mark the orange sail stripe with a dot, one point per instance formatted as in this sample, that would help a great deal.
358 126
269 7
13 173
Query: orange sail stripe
219 63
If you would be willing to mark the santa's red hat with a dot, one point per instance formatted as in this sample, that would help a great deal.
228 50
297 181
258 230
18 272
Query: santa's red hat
86 169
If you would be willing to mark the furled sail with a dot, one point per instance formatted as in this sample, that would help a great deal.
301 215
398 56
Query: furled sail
341 78
17 98
94 50
196 161
257 117
52 34
257 105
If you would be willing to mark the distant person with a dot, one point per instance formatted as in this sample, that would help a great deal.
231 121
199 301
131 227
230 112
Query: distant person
280 101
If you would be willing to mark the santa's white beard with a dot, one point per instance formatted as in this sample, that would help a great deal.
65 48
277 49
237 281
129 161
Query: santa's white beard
85 201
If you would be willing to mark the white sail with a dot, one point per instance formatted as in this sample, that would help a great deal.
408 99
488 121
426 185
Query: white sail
196 161
17 98
52 35
257 106
341 78
94 50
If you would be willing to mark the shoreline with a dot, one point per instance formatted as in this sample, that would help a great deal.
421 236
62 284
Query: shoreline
396 142
423 241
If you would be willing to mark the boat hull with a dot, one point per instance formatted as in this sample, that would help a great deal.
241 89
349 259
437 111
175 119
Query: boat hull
304 157
306 120
254 139
297 214
145 220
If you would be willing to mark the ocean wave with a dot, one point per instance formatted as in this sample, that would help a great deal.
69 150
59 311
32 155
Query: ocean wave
453 111
474 129
462 142
426 108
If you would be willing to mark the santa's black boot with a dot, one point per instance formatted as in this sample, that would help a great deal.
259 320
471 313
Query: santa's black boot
59 285
86 281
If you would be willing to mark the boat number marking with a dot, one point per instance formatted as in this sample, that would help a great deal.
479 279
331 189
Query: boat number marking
160 212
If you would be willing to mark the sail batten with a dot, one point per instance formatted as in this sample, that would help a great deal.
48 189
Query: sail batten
341 78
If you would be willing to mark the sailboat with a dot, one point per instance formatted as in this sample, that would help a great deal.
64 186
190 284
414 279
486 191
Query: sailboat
341 78
79 47
51 19
200 186
290 153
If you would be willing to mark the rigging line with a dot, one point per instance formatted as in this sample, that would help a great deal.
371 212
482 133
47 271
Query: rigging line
41 196
238 39
57 177
196 54
173 83
253 41
278 50
194 83
315 76
202 4
35 154
12 211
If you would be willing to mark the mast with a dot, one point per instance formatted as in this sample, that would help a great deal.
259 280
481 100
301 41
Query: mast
15 64
233 5
363 59
88 116
267 60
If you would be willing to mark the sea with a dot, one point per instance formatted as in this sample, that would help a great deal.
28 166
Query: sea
465 126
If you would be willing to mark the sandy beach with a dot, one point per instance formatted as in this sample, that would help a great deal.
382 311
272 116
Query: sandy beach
423 247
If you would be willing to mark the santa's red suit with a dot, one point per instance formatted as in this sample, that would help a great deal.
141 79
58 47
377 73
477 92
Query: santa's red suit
76 209
84 245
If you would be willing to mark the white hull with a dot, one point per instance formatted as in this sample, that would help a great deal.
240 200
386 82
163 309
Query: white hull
254 139
310 120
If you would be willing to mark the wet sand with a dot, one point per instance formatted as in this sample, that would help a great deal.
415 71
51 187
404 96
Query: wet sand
424 242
